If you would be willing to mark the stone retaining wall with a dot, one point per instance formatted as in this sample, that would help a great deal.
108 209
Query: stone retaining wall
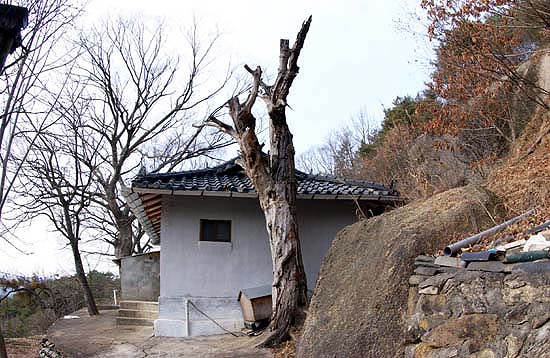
463 313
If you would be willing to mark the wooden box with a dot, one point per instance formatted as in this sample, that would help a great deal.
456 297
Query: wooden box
256 303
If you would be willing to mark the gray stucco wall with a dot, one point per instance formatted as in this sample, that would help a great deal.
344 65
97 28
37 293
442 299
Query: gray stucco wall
212 272
140 277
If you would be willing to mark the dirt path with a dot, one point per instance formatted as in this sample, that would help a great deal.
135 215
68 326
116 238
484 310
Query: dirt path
100 337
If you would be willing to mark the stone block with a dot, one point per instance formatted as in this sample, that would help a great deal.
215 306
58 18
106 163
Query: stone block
437 280
446 269
533 267
414 280
449 261
488 266
426 271
430 290
411 300
433 305
425 264
476 328
425 258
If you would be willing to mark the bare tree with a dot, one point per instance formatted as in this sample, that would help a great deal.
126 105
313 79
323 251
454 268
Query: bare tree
274 179
342 152
138 96
23 78
56 181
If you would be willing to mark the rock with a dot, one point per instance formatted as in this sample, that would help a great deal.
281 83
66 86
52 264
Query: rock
425 258
413 296
433 305
513 346
426 271
483 314
415 280
445 269
430 290
437 280
425 351
486 353
540 320
534 267
425 264
359 307
476 328
449 261
488 266
509 267
48 350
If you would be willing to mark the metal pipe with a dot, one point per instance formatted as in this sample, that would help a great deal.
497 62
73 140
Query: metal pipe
526 256
453 248
187 317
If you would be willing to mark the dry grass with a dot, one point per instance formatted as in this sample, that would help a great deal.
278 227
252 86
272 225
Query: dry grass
523 182
23 347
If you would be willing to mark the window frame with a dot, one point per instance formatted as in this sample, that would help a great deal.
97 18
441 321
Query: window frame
215 222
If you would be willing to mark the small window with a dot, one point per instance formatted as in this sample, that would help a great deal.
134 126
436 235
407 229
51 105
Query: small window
215 230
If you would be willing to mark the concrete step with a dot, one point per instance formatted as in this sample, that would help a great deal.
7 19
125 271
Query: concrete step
138 314
140 305
128 321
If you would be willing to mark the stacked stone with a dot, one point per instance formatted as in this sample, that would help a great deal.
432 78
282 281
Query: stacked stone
456 312
48 350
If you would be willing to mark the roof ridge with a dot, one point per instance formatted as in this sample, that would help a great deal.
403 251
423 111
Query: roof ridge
342 180
215 169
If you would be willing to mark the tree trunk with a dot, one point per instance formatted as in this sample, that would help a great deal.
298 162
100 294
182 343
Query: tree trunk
275 182
3 352
124 243
81 276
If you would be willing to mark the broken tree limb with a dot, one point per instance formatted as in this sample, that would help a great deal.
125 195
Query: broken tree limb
453 248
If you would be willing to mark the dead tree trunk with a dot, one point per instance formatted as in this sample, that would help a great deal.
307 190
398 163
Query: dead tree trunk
274 179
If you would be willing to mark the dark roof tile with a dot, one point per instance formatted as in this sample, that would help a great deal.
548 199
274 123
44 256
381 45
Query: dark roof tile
230 176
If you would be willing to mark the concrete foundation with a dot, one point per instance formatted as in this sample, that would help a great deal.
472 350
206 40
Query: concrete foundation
179 318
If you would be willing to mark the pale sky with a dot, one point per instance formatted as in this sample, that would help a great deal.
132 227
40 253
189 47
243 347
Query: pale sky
355 58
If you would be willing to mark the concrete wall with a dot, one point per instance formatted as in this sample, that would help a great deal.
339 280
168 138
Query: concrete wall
140 277
212 273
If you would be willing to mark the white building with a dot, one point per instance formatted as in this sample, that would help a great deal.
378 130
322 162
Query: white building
214 241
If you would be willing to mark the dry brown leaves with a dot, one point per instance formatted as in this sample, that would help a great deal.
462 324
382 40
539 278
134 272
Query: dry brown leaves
23 347
523 183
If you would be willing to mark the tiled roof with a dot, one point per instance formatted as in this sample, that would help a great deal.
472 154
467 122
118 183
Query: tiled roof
230 177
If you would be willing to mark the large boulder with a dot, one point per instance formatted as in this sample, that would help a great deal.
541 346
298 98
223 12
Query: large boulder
360 300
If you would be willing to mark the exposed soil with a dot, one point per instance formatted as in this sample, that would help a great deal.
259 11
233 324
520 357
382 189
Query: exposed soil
100 337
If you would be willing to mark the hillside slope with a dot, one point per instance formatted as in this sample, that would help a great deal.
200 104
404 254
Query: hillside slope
358 308
523 180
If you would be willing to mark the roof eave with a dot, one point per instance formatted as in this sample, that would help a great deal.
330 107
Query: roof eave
235 194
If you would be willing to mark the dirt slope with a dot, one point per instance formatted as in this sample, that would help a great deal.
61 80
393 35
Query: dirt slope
361 294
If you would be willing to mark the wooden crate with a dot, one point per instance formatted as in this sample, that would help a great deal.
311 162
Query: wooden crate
256 303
